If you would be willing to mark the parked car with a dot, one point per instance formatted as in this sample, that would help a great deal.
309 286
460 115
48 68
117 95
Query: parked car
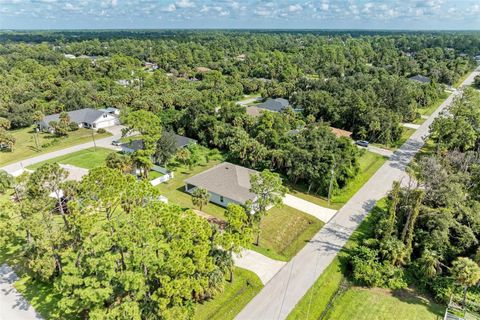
362 143
116 143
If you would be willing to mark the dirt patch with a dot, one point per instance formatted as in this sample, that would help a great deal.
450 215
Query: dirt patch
211 219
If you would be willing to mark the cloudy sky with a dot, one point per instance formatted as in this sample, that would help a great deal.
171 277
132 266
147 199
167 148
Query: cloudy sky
283 14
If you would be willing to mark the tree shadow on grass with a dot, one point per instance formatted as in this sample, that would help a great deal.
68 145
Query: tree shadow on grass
41 295
410 296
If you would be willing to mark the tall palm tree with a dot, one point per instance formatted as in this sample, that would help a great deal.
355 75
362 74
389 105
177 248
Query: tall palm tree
467 273
200 197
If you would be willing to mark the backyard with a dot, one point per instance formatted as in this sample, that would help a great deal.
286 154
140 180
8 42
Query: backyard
25 146
87 158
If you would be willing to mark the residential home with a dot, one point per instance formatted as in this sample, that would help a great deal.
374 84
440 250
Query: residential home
135 145
85 118
275 105
226 182
420 79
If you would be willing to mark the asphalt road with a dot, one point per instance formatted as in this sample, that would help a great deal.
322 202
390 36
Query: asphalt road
17 167
280 295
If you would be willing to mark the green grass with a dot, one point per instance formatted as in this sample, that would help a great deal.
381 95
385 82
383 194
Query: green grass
285 231
370 304
434 106
314 302
174 189
25 146
406 133
231 301
40 295
154 175
369 163
87 158
360 303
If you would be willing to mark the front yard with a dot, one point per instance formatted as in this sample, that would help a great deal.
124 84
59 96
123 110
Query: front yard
25 146
87 158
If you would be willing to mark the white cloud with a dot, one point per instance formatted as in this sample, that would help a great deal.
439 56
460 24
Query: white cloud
185 4
295 8
169 8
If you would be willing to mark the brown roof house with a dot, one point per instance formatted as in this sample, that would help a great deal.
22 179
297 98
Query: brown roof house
226 183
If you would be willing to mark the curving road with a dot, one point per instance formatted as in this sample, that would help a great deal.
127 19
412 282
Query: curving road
280 295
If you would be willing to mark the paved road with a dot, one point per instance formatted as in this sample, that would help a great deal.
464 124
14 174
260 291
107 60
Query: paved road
17 167
12 304
383 152
280 295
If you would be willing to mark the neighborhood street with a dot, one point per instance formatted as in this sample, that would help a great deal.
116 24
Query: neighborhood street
17 167
280 295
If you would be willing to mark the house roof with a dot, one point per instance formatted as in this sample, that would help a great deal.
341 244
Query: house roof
276 105
420 78
340 132
226 179
87 115
139 145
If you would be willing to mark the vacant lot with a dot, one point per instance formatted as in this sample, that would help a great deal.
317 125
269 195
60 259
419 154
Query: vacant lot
87 159
234 297
369 163
379 304
25 146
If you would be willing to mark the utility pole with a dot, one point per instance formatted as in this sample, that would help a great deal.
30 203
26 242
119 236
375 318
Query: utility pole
332 175
94 144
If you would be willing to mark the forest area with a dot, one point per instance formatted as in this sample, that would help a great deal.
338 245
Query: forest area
116 251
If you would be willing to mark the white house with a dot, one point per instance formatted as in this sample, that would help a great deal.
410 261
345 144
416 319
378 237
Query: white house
86 118
226 183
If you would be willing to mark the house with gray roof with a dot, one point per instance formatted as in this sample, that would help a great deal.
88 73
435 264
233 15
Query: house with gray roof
226 182
420 78
275 105
85 118
135 145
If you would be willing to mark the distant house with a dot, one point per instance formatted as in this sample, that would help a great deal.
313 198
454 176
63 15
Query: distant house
420 78
275 105
135 145
150 66
202 69
226 183
340 132
128 82
85 118
69 56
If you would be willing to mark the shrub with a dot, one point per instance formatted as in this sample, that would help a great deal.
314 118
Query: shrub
101 130
73 126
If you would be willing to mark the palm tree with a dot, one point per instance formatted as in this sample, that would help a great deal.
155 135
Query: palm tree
467 273
200 197
429 264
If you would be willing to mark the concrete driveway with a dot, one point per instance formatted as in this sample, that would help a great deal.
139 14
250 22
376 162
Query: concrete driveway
319 212
264 267
12 304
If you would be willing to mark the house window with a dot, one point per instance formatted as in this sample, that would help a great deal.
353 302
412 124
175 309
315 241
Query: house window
221 198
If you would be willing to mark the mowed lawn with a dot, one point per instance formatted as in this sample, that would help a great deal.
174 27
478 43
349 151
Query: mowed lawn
285 231
360 303
369 163
380 304
25 146
227 304
87 158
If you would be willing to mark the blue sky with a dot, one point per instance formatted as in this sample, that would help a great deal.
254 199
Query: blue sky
284 14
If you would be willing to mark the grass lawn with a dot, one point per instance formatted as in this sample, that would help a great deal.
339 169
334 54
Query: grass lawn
369 163
174 188
406 133
434 106
285 231
25 146
87 158
154 174
315 301
362 304
231 301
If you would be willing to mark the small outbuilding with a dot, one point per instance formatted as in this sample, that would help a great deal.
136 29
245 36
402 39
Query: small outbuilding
420 78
